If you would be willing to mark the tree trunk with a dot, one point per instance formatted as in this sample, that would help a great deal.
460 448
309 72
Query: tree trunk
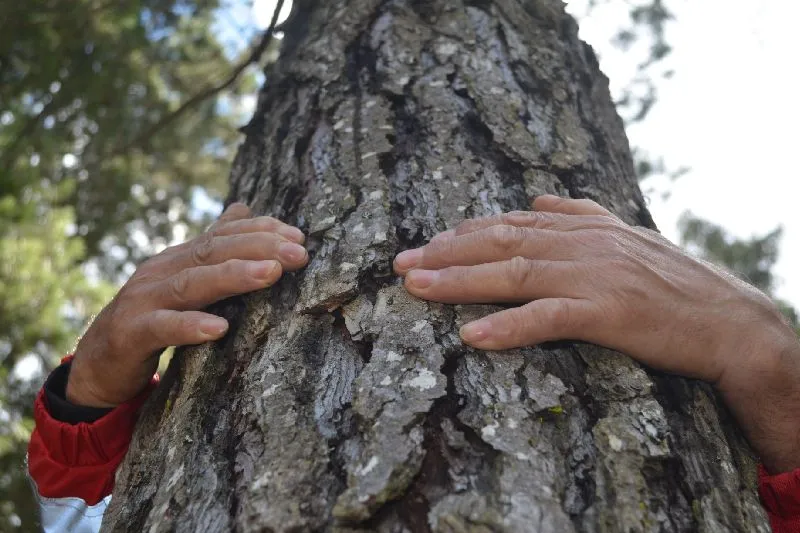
340 403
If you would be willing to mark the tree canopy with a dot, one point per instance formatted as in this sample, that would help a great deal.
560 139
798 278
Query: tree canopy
113 115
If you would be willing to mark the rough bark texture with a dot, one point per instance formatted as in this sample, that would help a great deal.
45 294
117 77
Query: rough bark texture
338 402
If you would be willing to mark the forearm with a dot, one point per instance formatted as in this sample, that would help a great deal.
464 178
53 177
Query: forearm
74 453
763 393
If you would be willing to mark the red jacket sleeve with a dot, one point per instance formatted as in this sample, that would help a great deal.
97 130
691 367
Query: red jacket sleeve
79 461
780 495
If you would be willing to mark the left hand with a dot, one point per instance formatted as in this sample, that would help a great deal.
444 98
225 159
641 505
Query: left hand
163 303
580 273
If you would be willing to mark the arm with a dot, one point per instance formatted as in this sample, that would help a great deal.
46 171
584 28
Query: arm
74 452
581 273
86 412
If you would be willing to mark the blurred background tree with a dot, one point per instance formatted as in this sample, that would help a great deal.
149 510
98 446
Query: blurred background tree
118 121
751 259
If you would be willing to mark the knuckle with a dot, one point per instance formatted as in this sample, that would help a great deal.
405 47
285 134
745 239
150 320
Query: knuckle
507 238
178 286
519 321
156 327
202 249
519 271
265 224
561 315
220 228
443 249
217 228
464 226
269 222
545 220
515 217
186 325
268 240
232 269
523 218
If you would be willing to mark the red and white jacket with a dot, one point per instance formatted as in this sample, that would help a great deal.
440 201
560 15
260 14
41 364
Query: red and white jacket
75 451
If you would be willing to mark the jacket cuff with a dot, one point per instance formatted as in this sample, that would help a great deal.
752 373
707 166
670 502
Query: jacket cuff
780 495
79 460
55 396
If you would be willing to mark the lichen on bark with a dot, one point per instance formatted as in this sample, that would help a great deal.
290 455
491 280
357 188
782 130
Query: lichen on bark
340 403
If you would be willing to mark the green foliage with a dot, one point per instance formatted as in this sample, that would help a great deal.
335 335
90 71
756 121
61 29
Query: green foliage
44 292
112 115
89 92
751 259
45 297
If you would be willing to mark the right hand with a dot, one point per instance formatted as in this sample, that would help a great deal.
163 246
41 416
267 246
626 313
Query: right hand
160 305
580 273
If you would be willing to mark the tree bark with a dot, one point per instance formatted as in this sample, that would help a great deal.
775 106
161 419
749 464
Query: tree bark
340 403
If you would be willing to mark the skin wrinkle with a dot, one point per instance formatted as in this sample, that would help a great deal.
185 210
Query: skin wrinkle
645 298
594 279
161 304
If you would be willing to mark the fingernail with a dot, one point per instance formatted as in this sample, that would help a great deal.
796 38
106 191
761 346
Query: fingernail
293 234
444 235
213 327
291 252
408 259
421 279
476 331
262 270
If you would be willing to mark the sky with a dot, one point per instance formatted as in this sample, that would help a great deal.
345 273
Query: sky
728 114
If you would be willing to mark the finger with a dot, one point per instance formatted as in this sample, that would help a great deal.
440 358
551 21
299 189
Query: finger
444 235
235 211
527 219
489 245
159 329
210 250
569 206
516 280
260 225
534 220
198 287
545 320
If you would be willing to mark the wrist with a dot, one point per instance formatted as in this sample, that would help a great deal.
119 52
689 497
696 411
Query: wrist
80 389
762 390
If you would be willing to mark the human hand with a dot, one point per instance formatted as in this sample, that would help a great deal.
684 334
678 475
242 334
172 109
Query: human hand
582 274
160 305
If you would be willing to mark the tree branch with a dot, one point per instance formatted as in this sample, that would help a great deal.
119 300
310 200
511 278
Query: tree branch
213 90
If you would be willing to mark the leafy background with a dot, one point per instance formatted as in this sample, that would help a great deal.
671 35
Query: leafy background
118 122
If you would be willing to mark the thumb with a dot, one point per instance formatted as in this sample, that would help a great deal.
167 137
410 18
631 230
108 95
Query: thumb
549 319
